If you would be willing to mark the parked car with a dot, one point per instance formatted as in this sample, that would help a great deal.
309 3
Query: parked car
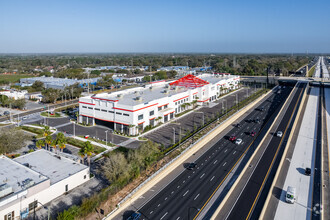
232 138
308 171
191 166
238 125
279 133
238 141
6 113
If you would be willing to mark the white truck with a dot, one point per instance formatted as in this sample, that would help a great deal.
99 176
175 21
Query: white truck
290 195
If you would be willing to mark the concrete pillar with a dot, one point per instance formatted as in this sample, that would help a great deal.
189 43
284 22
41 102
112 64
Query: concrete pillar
93 121
306 70
80 119
122 128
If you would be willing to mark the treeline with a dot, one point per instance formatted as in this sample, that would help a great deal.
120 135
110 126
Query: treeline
237 64
9 102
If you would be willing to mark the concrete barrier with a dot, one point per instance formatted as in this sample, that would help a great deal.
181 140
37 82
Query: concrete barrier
247 164
159 175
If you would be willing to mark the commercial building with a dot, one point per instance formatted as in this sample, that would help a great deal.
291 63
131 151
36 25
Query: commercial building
32 180
132 110
14 94
58 83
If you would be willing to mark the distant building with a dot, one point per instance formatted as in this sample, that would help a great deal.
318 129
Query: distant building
36 178
131 110
175 68
14 94
58 83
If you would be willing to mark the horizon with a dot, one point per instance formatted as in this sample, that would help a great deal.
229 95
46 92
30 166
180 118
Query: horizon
147 27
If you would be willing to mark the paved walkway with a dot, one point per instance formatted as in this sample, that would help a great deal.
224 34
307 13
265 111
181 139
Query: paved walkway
302 157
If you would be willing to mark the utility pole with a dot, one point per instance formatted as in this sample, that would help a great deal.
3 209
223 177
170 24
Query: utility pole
106 137
88 83
173 136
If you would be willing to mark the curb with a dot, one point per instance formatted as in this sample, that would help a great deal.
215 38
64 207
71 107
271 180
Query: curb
216 213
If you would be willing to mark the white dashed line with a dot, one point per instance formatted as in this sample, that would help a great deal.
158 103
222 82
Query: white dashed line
151 212
226 150
158 205
178 187
202 175
196 196
202 164
234 152
172 192
163 216
224 164
165 198
183 181
215 162
178 218
185 193
212 178
188 176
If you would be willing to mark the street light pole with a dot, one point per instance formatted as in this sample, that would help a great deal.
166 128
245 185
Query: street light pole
173 135
106 137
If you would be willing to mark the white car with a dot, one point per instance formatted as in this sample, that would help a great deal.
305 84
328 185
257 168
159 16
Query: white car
24 118
238 141
279 134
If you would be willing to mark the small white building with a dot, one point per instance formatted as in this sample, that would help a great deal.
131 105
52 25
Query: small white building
14 94
131 110
36 178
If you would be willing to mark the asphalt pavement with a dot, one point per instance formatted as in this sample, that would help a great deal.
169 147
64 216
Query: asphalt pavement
187 194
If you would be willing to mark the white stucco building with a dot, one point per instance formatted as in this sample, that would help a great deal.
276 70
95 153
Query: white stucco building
131 110
36 178
14 94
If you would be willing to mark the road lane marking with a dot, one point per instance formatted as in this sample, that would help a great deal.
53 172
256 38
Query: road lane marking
163 216
158 205
202 175
212 178
178 187
215 162
166 198
178 218
185 193
234 152
172 192
224 164
196 196
183 181
188 176
151 212
226 150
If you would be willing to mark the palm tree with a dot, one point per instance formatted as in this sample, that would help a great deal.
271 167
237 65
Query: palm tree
89 150
194 103
61 144
47 131
40 144
48 141
81 153
60 137
54 144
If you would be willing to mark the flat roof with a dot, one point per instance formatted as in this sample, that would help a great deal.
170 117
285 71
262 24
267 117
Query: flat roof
157 92
13 174
55 167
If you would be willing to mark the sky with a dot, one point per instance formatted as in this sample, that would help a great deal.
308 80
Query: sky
164 26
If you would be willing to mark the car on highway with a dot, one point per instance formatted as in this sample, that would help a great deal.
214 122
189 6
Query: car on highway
252 133
279 133
135 216
24 118
191 166
308 171
232 138
238 125
238 141
6 113
257 120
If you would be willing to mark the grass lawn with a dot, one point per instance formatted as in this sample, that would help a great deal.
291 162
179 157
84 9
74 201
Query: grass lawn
80 144
46 114
6 79
38 131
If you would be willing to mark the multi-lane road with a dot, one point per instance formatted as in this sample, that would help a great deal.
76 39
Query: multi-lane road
186 196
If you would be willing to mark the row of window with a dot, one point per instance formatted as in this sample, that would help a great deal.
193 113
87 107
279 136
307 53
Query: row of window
103 110
162 107
181 101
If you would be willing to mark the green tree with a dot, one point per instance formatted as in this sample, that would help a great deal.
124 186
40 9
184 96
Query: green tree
89 150
48 141
40 143
12 139
38 86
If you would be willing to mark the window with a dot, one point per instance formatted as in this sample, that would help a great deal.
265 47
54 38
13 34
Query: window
159 108
33 205
90 108
66 187
84 176
140 117
118 113
165 107
103 110
84 106
111 112
176 103
10 216
126 114
151 113
97 109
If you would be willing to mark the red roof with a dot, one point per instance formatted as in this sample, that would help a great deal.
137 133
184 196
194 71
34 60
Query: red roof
189 81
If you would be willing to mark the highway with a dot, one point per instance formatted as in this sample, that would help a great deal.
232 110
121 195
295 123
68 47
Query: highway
186 195
250 202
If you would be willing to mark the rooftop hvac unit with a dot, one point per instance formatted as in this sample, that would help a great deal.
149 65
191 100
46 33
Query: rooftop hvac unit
27 183
138 98
5 190
150 87
166 91
120 95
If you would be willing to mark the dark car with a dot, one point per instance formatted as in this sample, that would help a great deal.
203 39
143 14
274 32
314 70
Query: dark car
238 125
308 171
191 166
257 120
135 216
252 133
232 138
